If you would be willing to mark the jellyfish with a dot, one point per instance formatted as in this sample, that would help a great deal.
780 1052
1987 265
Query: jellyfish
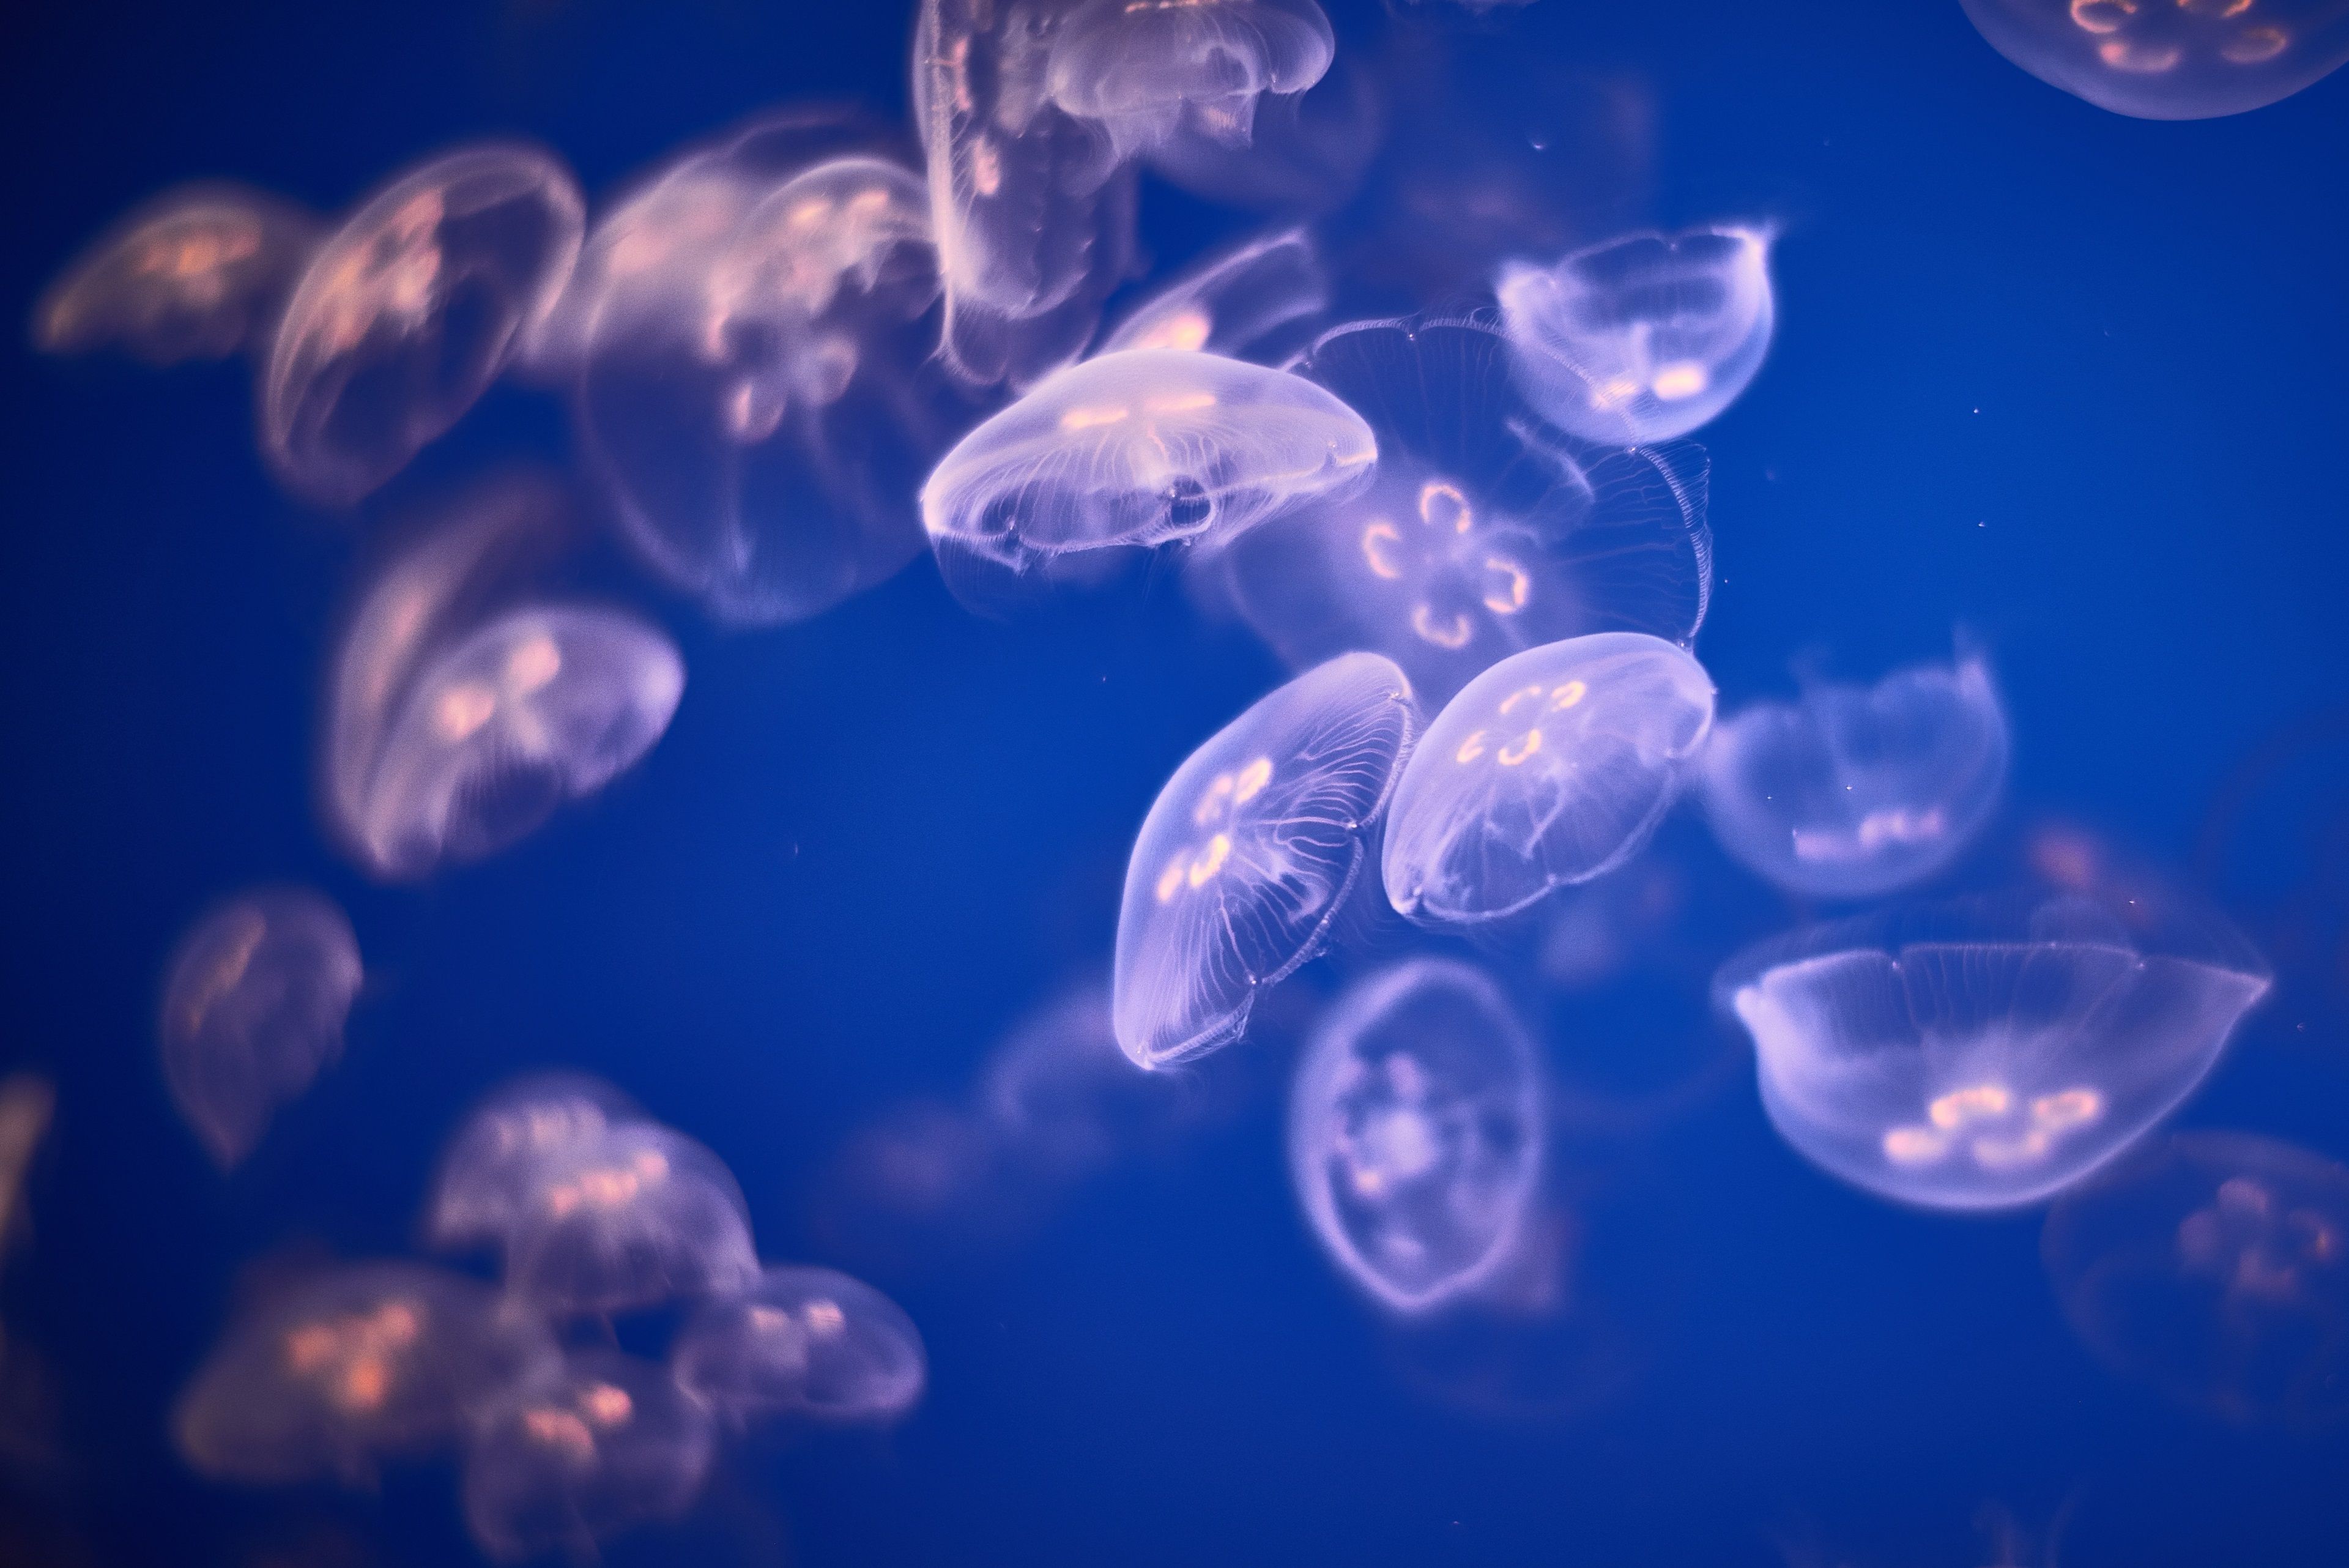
1060 1097
1306 155
489 1179
1247 303
1643 338
1984 1054
804 1341
588 1448
1480 535
1853 791
198 273
1415 1132
1551 768
1248 853
1147 70
365 1362
27 1101
2215 1267
408 311
635 1217
2170 59
255 1006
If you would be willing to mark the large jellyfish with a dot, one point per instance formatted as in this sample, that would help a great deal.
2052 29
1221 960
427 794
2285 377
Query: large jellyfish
1415 1132
409 312
1643 338
1250 302
1148 71
255 1006
1248 853
1480 537
1983 1054
810 1343
2170 59
489 1176
1855 791
1551 768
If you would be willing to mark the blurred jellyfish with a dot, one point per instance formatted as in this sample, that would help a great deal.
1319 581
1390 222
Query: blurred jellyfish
1983 1054
1479 536
254 1005
1855 791
1306 156
371 1362
634 1218
1060 1097
488 1178
408 313
1414 1131
2170 59
1643 338
27 1101
198 273
1248 853
804 1341
589 1446
1551 768
1247 303
2214 1266
1147 70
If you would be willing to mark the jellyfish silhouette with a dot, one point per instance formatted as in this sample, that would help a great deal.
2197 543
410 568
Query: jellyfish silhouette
803 1342
2170 59
635 1217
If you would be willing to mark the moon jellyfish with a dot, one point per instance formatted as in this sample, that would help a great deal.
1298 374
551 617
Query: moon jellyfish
588 1447
1248 852
1479 536
1150 69
1643 338
1415 1132
27 1101
255 1006
409 312
1551 768
802 1342
1306 155
2215 1267
1982 1056
1246 302
2170 59
488 1177
1855 791
634 1218
371 1362
198 273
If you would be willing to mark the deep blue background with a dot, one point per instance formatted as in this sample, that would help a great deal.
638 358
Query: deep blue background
2070 381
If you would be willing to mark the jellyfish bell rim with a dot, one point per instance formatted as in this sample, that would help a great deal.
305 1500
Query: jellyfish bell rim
2011 38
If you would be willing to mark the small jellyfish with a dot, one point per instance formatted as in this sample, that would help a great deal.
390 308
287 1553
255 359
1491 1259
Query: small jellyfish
802 1342
589 1446
1551 768
1984 1054
198 273
1853 791
1060 1097
409 310
1247 303
634 1218
254 1005
1415 1132
1148 71
489 1176
1248 853
1643 338
2170 59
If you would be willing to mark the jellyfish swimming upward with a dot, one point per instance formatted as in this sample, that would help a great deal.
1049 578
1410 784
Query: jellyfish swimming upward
2170 59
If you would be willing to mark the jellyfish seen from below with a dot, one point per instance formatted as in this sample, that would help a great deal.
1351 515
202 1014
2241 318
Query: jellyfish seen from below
198 273
1480 535
489 1180
1148 71
1247 303
1415 1132
1248 852
1852 791
2170 59
1984 1054
1551 768
635 1218
1643 338
2215 1267
802 1342
408 311
253 1007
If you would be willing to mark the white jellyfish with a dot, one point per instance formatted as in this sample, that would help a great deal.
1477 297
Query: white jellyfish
1641 339
1983 1054
2170 59
1248 853
1551 768
1149 70
1247 303
489 1178
803 1342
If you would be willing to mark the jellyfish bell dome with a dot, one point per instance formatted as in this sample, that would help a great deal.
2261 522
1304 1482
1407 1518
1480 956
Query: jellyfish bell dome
805 1342
2170 59
1147 70
1254 301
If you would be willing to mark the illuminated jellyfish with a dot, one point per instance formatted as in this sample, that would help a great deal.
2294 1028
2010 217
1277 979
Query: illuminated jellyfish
1415 1132
1985 1055
1147 70
803 1342
1248 853
1551 768
2170 59
1643 338
589 1446
370 1362
408 311
2215 1267
1855 791
198 273
489 1176
634 1218
1246 302
27 1101
1479 536
254 1005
